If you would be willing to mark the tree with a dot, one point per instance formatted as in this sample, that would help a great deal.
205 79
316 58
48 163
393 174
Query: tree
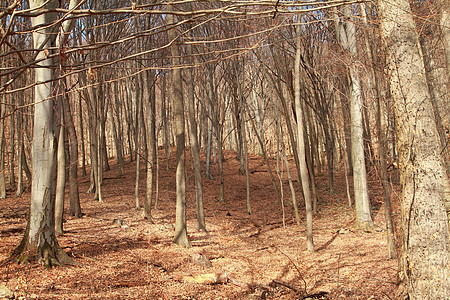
39 241
301 146
347 39
181 238
424 263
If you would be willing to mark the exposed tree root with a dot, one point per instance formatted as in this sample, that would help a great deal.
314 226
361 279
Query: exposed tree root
47 256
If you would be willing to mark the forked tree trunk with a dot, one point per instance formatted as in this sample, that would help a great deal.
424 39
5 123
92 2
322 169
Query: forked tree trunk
424 263
181 238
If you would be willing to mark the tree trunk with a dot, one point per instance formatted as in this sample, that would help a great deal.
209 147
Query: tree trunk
181 238
195 151
301 146
375 80
2 152
60 179
150 97
39 241
445 28
74 197
83 151
19 120
137 139
425 238
362 204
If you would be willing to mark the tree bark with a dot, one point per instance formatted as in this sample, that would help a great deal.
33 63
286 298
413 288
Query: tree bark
362 205
149 92
181 237
74 197
375 80
39 241
424 262
195 151
2 152
301 146
60 178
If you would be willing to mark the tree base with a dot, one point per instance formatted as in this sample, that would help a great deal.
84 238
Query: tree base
182 239
47 256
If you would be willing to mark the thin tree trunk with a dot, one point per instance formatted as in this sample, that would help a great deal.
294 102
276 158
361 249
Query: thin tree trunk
150 97
74 198
2 148
266 158
83 151
12 175
60 179
362 204
19 120
180 237
195 152
382 150
301 145
137 140
246 170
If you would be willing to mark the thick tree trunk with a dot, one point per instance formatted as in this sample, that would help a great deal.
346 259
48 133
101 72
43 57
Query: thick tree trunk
425 238
39 241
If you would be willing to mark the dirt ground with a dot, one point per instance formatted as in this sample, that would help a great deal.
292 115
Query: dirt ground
123 256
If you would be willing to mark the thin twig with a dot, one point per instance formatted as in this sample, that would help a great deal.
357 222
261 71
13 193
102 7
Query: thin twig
295 266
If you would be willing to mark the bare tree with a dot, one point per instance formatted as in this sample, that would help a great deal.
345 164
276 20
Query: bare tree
181 238
39 241
425 248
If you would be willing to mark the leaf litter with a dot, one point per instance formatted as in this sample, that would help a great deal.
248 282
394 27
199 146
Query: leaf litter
124 256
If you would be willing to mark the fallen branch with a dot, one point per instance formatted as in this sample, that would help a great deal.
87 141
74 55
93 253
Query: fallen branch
282 283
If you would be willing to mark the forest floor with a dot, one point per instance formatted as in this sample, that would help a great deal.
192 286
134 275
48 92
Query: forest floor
123 256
